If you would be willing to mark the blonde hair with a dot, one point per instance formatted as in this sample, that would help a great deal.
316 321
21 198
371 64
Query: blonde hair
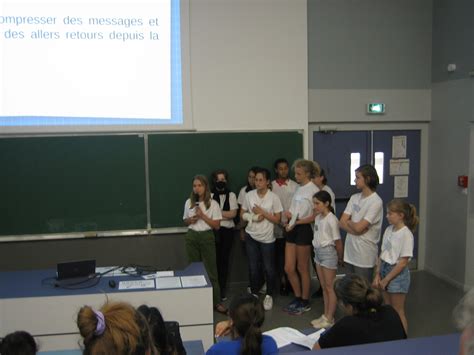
407 209
311 168
207 194
464 318
126 331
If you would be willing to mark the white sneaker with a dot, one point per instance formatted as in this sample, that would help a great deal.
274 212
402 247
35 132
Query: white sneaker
268 303
263 290
315 322
322 322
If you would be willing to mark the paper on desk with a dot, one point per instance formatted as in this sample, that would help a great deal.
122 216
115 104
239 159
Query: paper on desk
167 282
284 335
309 340
136 284
158 274
193 281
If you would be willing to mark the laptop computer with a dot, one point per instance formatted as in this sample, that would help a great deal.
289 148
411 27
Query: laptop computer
75 269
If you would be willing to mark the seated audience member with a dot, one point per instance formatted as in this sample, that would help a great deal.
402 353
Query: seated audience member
18 343
366 320
117 328
464 317
244 327
165 334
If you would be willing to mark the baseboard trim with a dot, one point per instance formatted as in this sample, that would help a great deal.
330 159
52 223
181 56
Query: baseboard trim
446 278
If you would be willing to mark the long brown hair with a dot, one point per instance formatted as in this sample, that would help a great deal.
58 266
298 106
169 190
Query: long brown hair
247 316
407 209
207 192
125 332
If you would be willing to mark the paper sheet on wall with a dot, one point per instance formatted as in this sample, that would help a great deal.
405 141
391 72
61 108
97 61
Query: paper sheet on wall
399 147
400 188
399 167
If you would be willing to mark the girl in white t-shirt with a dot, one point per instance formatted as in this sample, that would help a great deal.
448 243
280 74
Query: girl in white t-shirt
202 214
392 275
327 254
299 235
321 181
261 209
362 220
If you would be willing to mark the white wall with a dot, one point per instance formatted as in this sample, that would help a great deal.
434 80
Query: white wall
249 64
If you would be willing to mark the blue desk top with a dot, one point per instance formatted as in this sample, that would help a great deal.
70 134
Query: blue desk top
193 347
39 283
436 345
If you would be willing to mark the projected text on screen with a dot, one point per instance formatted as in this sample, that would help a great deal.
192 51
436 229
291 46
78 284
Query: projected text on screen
98 62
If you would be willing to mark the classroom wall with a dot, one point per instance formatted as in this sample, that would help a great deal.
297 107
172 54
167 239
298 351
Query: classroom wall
449 233
369 51
248 73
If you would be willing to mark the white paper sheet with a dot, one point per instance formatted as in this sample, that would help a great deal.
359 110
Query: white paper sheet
136 284
400 187
167 282
286 335
193 281
399 147
158 274
309 340
399 167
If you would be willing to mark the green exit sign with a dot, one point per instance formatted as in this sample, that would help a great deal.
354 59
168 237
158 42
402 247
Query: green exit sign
376 108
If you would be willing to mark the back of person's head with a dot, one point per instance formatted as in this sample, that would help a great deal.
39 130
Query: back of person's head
158 329
247 315
18 343
311 168
370 175
323 176
117 328
356 291
464 319
410 219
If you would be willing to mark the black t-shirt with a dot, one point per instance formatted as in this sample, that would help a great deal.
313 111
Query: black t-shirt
383 325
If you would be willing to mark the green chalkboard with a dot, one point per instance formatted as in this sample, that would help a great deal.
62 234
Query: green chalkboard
175 158
72 184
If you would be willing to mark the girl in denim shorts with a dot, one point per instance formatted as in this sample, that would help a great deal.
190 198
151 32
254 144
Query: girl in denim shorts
328 251
392 274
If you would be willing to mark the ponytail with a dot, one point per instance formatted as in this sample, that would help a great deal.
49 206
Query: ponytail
247 316
252 341
356 291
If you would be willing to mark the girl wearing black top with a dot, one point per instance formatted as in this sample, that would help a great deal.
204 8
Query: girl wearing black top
366 320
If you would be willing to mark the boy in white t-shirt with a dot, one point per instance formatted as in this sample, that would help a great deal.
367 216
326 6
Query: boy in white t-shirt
261 209
284 188
362 220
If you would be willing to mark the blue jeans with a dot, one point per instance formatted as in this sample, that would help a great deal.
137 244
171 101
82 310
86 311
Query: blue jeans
258 254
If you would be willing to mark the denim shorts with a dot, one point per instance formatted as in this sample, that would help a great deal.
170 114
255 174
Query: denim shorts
326 257
399 284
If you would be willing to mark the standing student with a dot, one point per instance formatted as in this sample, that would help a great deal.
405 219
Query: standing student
321 181
261 209
202 214
244 327
328 254
299 235
366 319
392 275
284 188
362 220
225 234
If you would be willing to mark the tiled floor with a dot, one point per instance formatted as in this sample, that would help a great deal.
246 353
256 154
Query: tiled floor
429 307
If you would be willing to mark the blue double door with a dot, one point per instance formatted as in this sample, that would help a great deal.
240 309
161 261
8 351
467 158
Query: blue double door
340 152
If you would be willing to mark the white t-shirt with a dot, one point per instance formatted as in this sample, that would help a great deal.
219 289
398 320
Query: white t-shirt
225 222
262 231
333 196
361 250
285 193
326 230
241 197
396 244
213 212
302 202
